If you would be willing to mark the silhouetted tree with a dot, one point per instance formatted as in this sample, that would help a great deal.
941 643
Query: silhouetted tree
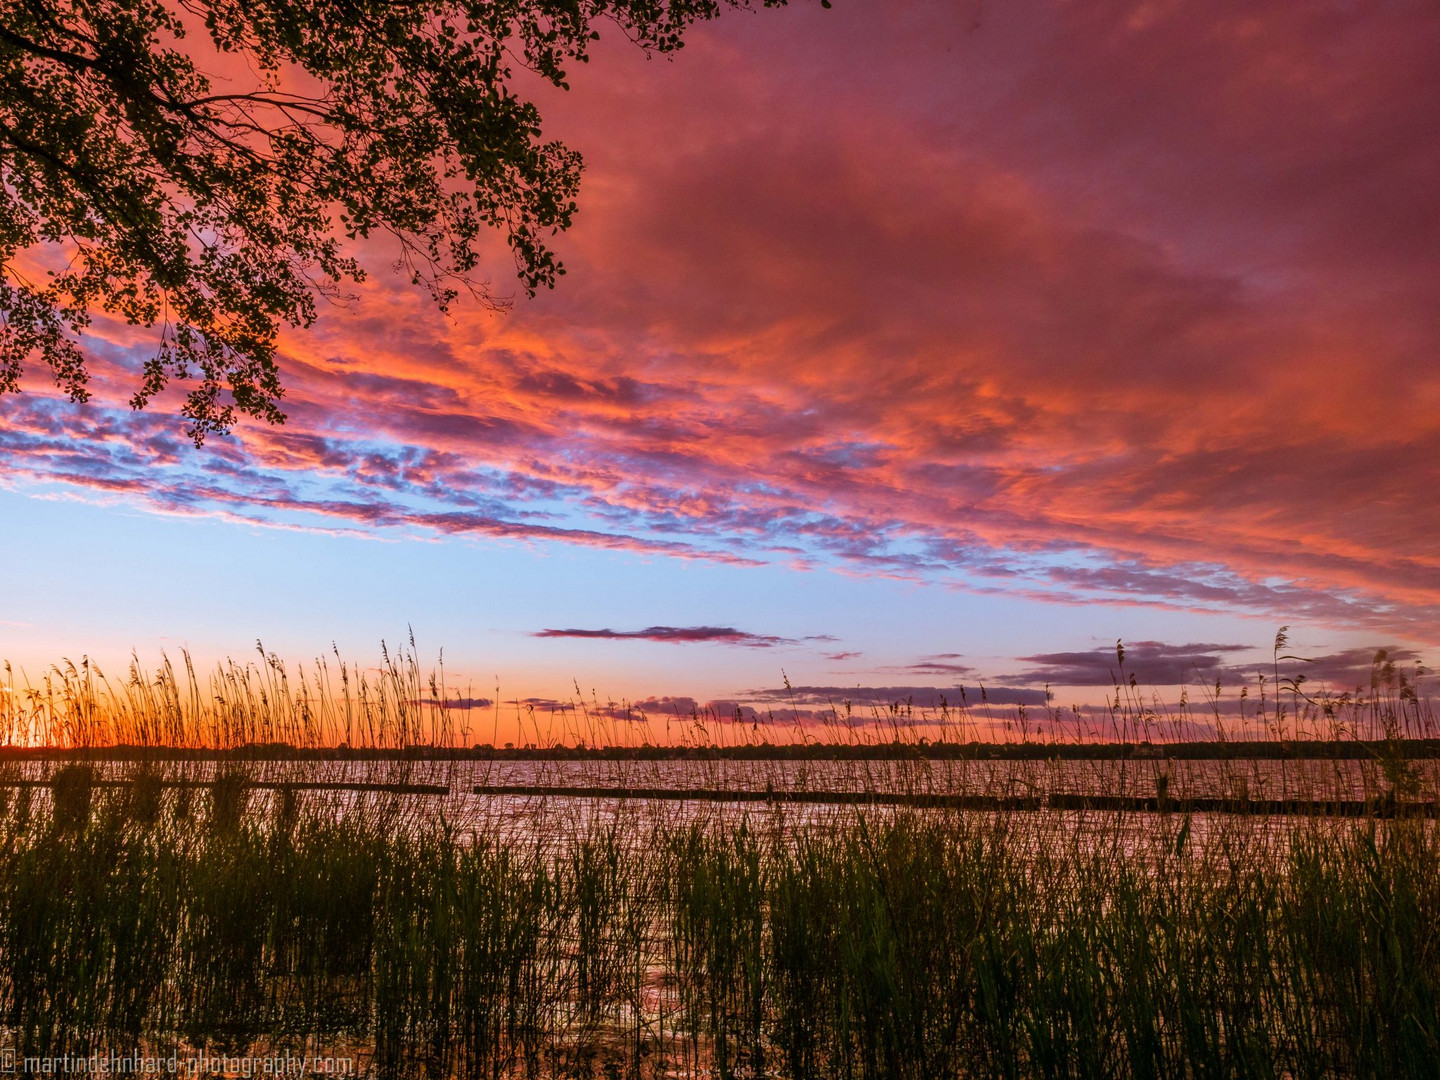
198 166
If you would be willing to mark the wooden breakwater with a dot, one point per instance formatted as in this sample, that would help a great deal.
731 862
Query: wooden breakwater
899 750
838 798
1380 807
256 785
1384 807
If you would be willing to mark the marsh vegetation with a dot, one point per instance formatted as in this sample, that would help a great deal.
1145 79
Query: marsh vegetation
162 902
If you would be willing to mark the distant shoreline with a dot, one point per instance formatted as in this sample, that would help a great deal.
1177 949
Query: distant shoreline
1213 750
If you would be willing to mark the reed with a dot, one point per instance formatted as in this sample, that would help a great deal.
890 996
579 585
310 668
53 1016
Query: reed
397 707
905 944
158 903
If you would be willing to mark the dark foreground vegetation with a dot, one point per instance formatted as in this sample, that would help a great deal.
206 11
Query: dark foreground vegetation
634 942
197 894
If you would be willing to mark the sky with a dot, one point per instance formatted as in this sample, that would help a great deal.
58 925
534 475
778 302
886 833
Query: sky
901 348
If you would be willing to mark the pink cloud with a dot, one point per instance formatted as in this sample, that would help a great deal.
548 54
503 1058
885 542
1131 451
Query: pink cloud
1069 301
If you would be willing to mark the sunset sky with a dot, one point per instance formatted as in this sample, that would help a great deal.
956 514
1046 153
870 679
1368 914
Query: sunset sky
901 346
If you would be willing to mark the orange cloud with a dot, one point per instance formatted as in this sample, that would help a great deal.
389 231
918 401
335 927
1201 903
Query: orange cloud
1104 301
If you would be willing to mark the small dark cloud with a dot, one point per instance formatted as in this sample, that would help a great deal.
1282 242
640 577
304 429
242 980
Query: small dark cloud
841 655
456 702
936 667
723 711
726 635
658 708
1358 668
1153 663
543 704
943 664
680 706
920 697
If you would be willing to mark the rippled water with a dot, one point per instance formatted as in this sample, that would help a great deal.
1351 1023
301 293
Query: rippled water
549 816
1233 778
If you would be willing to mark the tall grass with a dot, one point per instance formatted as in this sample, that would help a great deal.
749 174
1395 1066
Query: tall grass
900 945
393 705
152 902
398 706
